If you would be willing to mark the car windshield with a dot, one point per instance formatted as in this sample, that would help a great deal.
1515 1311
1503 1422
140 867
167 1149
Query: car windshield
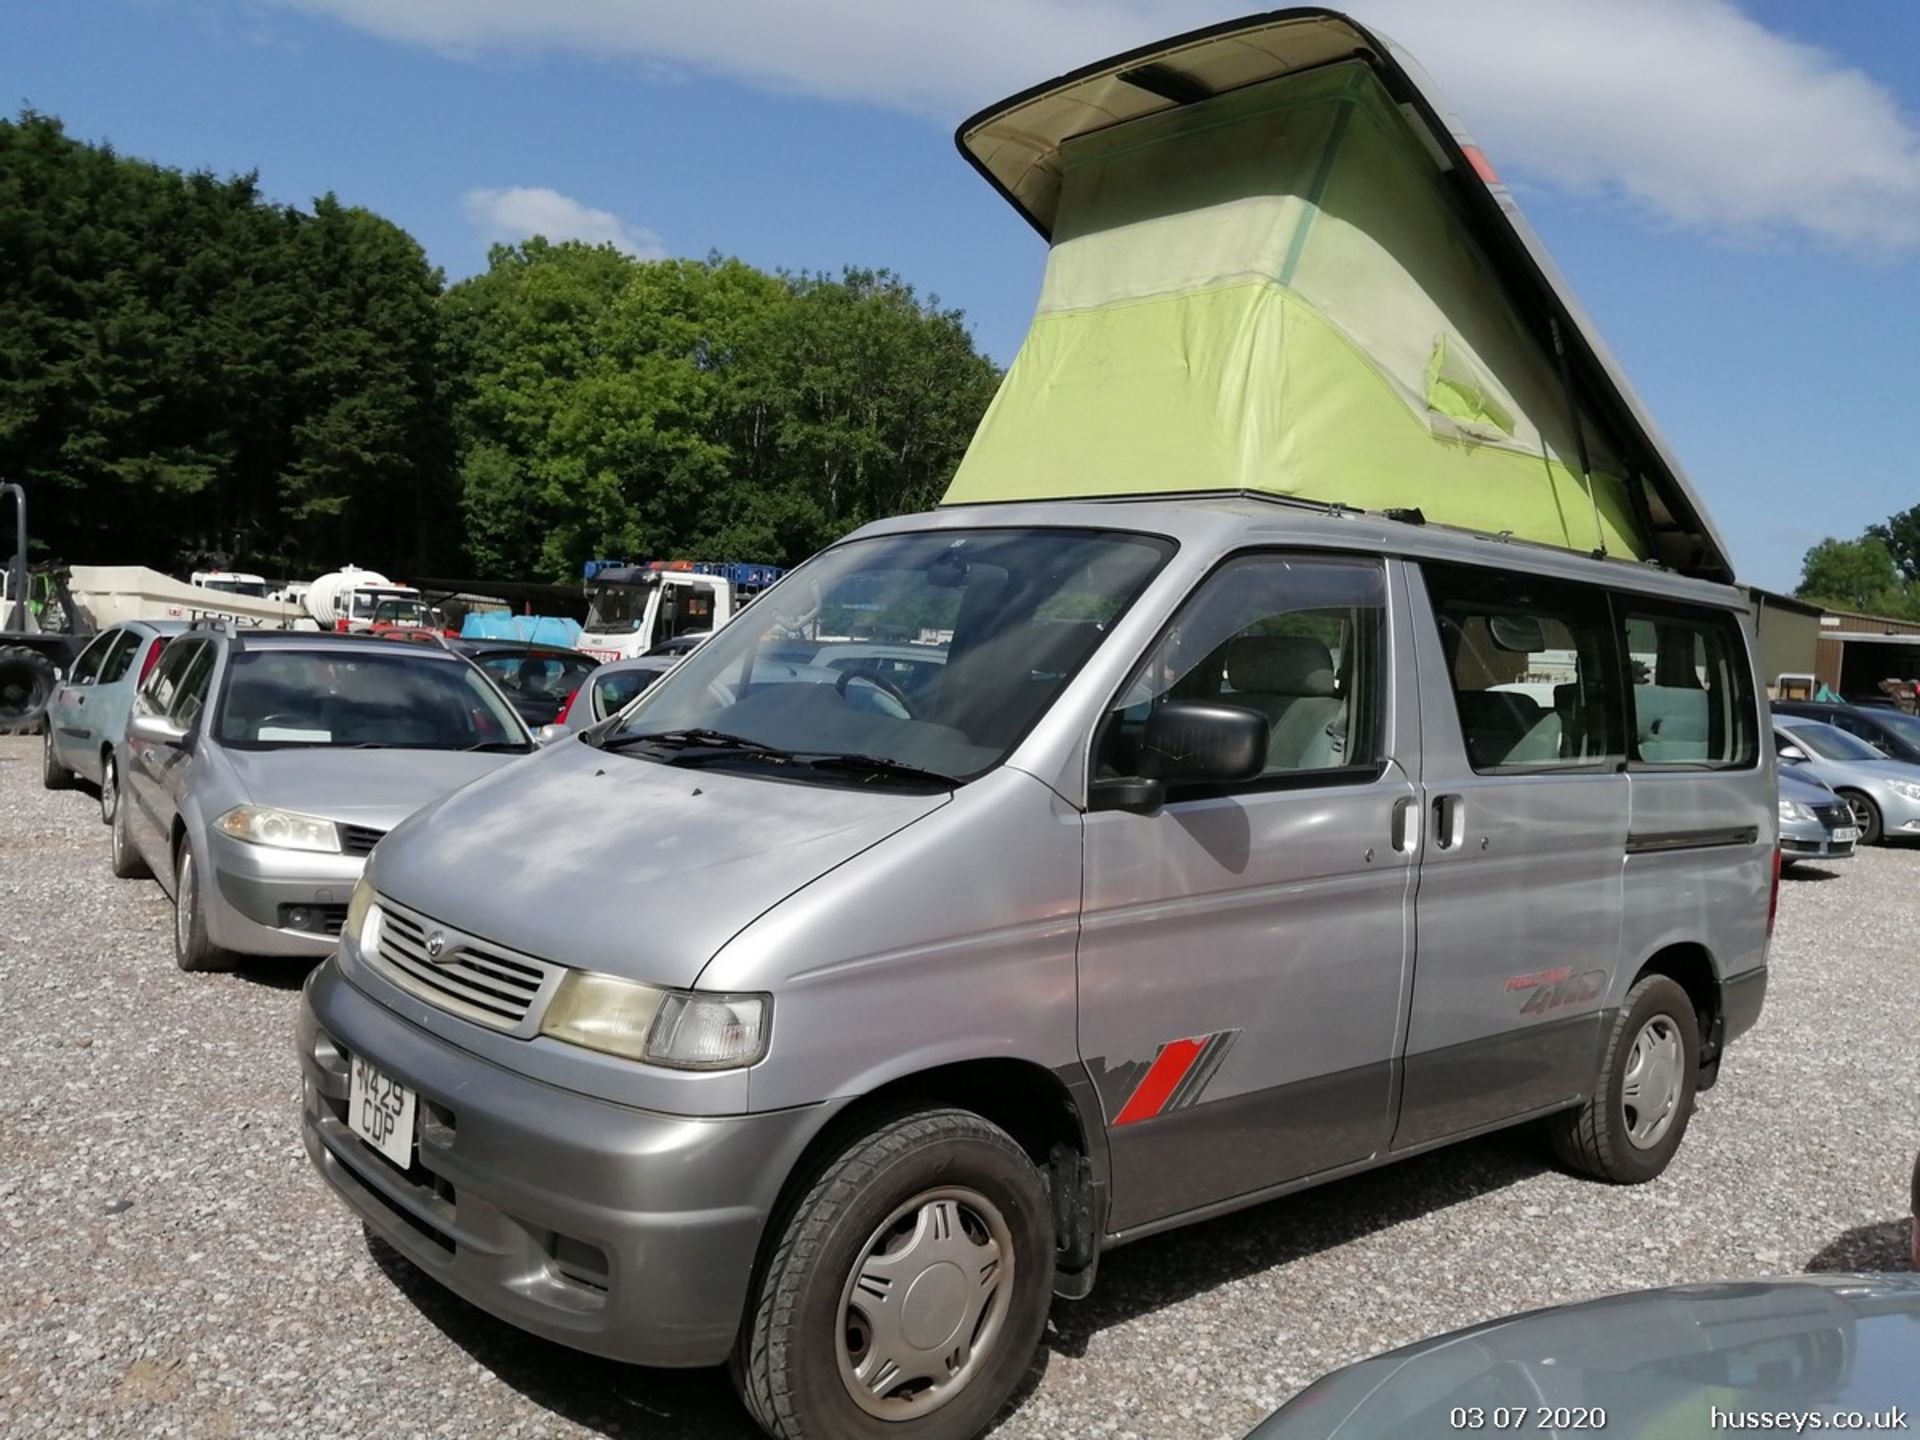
406 698
536 674
956 642
1827 743
617 607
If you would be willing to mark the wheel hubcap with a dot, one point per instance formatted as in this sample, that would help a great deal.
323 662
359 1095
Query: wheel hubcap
183 904
1862 812
925 1303
1650 1091
109 791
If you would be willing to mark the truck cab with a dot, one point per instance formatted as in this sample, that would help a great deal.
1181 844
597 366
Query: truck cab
633 608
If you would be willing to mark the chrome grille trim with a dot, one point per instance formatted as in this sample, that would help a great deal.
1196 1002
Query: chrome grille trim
473 978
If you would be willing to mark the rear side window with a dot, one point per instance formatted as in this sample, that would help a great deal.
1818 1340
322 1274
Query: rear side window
618 690
119 659
190 693
88 665
157 693
1690 686
1534 670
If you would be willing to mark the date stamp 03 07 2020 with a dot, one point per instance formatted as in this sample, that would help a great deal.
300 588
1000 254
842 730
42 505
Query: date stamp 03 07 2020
1559 1419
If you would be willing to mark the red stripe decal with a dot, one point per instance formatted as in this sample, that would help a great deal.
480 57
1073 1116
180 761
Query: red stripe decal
1167 1070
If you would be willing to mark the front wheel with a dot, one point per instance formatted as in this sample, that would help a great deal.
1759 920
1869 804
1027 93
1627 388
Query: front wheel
1866 816
1642 1098
908 1291
192 950
109 788
53 775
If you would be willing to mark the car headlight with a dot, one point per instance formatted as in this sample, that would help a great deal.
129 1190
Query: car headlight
1906 789
683 1029
364 918
282 829
1794 810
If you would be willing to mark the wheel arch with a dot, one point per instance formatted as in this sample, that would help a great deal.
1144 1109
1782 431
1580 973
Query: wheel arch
1691 966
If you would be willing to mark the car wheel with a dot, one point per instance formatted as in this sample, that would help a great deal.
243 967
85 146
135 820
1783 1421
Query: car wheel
192 950
127 861
1866 816
908 1290
1642 1097
109 788
53 774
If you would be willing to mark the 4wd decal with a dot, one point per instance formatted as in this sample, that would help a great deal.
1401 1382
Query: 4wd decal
1557 989
1179 1073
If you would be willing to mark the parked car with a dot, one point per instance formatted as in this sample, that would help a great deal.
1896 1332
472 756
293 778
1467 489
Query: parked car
1892 732
1106 931
87 716
1883 794
1815 823
678 645
536 679
1650 1363
610 688
261 768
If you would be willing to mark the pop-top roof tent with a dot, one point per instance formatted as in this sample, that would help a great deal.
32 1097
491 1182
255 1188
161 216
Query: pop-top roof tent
1277 263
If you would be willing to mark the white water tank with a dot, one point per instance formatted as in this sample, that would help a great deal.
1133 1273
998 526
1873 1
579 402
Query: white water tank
327 599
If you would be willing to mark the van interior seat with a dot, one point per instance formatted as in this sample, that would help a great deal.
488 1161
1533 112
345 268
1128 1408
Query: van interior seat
1289 679
1672 722
1507 727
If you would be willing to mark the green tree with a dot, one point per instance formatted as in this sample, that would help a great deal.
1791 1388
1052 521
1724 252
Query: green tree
1901 535
1855 575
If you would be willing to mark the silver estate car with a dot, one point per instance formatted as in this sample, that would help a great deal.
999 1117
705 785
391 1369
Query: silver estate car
1815 823
87 715
263 766
1883 794
831 1026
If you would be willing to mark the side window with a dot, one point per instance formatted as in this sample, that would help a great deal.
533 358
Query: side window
1535 681
156 694
87 665
119 659
190 693
1301 639
1691 687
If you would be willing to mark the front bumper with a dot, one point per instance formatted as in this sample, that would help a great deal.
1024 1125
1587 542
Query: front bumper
256 886
1813 842
622 1232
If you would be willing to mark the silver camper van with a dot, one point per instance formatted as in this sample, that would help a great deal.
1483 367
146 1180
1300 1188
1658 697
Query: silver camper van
1025 877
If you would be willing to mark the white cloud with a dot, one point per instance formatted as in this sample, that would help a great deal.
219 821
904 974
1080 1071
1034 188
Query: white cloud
1689 109
518 212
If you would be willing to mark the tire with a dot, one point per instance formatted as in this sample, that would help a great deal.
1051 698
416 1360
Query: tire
26 684
192 950
109 787
123 855
1866 815
53 775
944 1186
1610 1137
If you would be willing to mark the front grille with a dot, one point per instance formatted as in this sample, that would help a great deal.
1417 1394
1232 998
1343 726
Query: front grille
359 839
471 978
1836 813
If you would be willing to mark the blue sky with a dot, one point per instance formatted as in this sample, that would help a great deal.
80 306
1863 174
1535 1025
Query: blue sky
1734 190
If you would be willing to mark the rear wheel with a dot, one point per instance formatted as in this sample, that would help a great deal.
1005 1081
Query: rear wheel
124 855
1642 1098
53 774
1866 816
109 788
192 950
908 1291
26 684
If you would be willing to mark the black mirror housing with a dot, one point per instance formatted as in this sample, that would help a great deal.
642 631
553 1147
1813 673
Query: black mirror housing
1203 742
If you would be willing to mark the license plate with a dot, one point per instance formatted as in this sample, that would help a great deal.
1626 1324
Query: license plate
380 1112
1846 835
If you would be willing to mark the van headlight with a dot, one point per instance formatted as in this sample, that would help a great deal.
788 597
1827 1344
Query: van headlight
1794 810
282 829
683 1029
364 918
1906 789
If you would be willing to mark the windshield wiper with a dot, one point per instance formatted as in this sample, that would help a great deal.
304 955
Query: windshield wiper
716 741
500 745
880 767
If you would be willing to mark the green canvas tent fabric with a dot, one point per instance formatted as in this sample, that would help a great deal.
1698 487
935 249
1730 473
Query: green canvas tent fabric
1274 289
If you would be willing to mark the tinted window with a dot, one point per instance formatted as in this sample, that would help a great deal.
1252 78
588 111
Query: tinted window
1535 681
537 677
616 691
87 665
156 695
190 692
119 659
401 698
1826 743
1690 685
1299 639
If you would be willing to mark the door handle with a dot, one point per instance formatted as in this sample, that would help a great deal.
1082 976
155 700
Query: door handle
1406 825
1449 821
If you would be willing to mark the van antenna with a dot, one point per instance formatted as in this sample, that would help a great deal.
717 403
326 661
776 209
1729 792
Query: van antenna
1579 430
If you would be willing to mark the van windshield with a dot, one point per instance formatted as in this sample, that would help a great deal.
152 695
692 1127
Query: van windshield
904 659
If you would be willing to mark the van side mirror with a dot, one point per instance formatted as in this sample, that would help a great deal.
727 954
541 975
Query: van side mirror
158 729
1793 754
1188 742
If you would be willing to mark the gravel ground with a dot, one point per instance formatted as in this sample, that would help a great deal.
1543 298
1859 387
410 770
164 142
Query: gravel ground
170 1265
